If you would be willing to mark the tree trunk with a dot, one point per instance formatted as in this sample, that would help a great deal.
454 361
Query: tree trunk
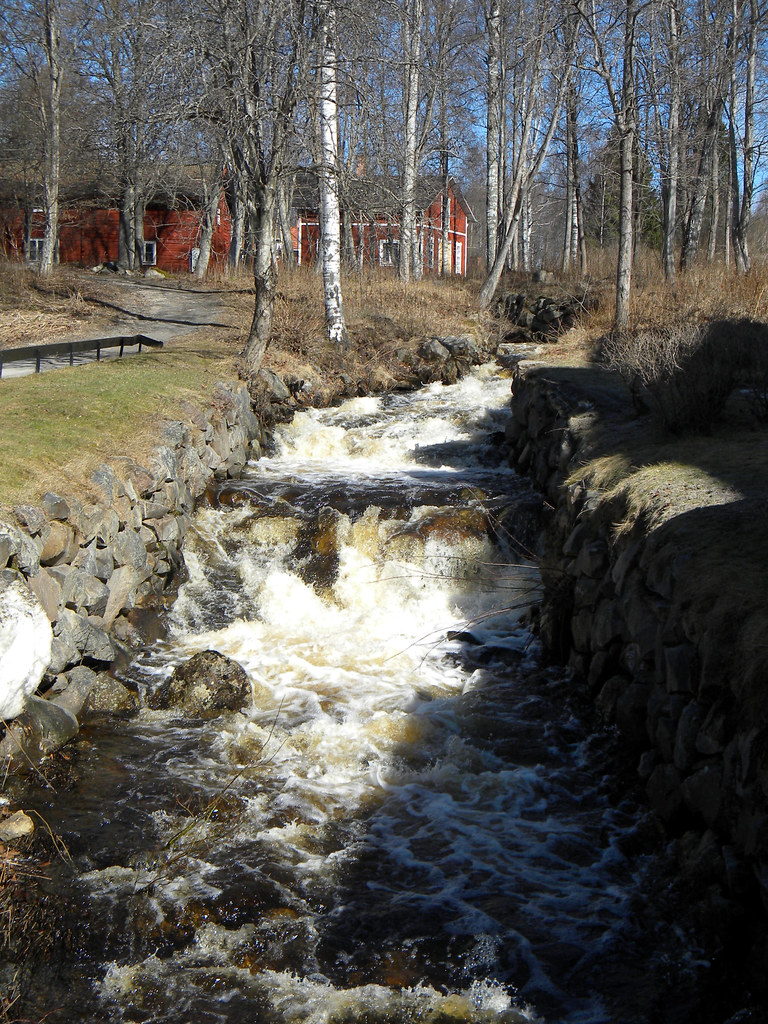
525 174
52 120
412 36
727 218
330 217
715 217
212 198
493 133
526 168
572 212
742 212
139 209
283 208
238 213
126 239
264 281
624 264
670 174
626 123
445 219
698 202
526 230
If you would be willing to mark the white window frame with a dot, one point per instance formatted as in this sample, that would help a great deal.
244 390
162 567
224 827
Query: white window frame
459 250
35 250
389 252
150 246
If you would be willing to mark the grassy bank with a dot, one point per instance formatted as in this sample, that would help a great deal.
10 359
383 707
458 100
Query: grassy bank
703 491
57 426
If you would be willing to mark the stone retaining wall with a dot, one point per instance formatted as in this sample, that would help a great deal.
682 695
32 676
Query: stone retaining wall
91 565
610 611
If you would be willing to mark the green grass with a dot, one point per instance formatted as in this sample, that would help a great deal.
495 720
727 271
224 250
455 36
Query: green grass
55 427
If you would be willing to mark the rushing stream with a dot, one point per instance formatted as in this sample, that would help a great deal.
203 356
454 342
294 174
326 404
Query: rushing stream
414 821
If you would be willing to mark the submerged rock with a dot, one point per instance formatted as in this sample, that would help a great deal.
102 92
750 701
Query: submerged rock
208 683
41 728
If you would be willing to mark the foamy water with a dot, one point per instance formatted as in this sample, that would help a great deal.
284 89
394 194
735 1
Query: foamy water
409 822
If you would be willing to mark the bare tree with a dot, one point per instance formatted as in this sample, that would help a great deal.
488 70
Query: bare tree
574 242
613 34
547 59
665 87
30 35
411 21
493 134
742 204
330 217
211 191
716 39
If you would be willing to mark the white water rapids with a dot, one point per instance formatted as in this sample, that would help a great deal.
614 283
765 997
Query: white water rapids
410 822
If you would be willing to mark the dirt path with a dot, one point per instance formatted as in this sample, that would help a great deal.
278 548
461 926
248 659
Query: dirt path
160 311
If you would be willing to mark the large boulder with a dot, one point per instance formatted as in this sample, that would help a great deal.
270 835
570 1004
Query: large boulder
25 644
207 684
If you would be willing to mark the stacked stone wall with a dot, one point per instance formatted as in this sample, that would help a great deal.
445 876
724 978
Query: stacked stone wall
611 612
93 566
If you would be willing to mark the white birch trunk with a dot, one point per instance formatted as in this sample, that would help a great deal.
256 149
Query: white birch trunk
212 198
51 109
626 123
412 36
670 184
330 217
742 209
493 133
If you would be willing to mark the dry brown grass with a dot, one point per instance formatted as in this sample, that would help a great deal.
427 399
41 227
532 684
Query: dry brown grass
34 310
372 299
705 292
382 316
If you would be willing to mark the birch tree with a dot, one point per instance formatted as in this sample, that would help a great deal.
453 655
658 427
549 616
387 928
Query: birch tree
330 217
665 75
493 135
744 147
546 66
412 18
574 242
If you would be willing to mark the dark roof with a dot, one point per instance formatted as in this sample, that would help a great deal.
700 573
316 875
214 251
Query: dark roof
374 195
179 189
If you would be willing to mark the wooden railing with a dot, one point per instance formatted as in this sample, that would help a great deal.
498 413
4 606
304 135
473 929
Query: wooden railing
40 353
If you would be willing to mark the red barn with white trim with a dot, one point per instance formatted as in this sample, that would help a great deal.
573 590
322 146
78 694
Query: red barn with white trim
89 233
370 208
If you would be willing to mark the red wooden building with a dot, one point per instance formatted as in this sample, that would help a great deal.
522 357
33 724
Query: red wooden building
371 211
88 233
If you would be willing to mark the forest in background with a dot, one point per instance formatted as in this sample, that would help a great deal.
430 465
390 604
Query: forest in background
573 125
